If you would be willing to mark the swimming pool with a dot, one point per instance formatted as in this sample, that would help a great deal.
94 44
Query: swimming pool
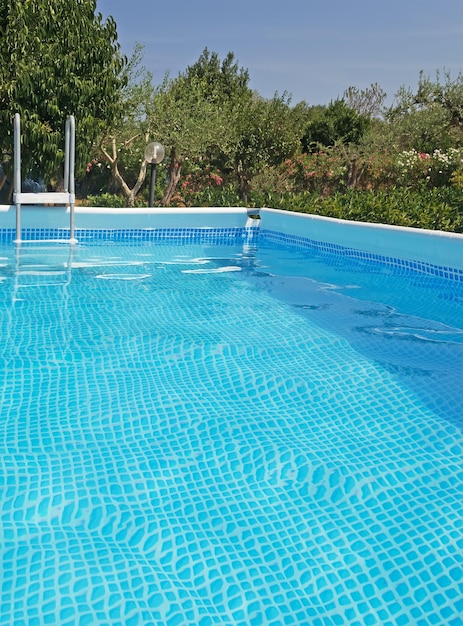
235 430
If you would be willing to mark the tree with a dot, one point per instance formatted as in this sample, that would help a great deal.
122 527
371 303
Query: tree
222 82
446 94
430 118
125 138
336 123
188 125
368 102
267 132
58 58
194 115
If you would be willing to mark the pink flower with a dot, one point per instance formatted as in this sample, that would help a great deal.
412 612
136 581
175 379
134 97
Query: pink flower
216 178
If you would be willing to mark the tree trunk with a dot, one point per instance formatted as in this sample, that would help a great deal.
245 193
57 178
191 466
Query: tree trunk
175 169
243 183
9 194
354 174
59 180
2 181
129 194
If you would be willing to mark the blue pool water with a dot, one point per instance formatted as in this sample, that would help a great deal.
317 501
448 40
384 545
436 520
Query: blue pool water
197 435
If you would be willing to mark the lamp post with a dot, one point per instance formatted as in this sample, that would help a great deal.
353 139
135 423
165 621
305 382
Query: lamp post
154 154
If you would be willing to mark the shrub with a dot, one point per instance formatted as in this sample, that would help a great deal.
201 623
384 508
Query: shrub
456 179
110 200
435 169
323 172
210 196
436 209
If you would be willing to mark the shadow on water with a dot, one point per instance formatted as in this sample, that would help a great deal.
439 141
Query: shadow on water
409 325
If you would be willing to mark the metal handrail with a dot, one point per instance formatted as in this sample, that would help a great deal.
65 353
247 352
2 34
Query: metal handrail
17 173
68 197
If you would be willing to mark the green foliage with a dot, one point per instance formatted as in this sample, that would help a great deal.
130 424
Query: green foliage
331 170
336 123
430 118
215 196
368 102
423 130
456 179
434 170
225 145
186 121
221 81
124 139
267 132
446 94
199 178
208 114
323 172
435 209
109 200
370 168
195 115
228 147
58 58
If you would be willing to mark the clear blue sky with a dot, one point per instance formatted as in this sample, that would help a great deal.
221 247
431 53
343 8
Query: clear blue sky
313 49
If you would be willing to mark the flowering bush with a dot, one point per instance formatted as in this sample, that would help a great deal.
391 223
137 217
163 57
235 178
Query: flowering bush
196 182
323 172
434 169
377 170
97 177
96 163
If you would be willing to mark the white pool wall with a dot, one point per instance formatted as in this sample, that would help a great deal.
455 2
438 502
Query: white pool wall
429 246
414 244
120 219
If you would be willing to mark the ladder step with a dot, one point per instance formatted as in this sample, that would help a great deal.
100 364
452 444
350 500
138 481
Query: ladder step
38 241
48 197
41 272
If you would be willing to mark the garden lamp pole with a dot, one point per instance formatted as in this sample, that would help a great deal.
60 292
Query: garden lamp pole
152 183
154 154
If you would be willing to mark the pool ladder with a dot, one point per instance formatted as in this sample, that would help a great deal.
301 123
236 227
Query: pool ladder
66 198
42 266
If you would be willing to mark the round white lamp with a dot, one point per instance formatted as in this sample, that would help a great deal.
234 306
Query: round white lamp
154 154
